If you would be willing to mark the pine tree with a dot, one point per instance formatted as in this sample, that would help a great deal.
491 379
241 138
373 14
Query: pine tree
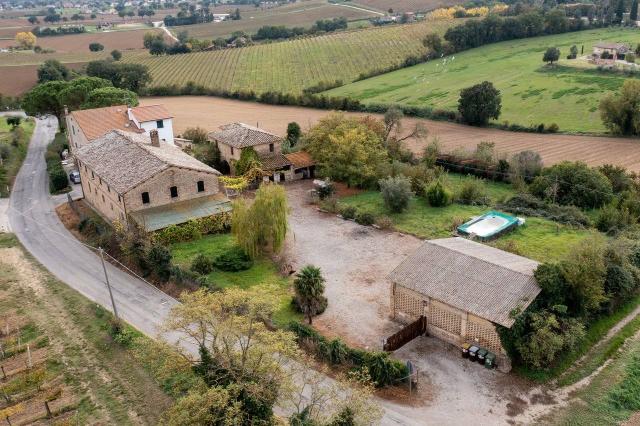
633 15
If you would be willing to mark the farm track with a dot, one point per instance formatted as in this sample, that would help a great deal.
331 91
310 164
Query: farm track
211 112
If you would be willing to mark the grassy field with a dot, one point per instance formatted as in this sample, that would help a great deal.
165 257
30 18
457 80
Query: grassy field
299 14
263 275
405 5
539 239
101 382
291 66
531 92
611 398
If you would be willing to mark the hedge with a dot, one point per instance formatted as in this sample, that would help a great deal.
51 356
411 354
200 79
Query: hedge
194 229
383 370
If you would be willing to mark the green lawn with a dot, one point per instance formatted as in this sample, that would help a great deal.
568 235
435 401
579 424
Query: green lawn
531 92
263 275
596 404
539 239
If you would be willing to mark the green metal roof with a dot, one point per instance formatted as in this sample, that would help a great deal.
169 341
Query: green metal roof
155 218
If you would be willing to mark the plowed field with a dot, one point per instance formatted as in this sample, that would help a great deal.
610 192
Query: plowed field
210 113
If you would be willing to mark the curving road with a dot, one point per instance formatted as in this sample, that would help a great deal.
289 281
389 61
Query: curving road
33 219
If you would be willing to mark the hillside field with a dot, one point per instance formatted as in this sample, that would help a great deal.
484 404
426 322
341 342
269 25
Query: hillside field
299 14
294 65
400 6
532 93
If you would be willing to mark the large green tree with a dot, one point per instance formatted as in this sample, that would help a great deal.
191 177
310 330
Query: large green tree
480 103
108 96
52 70
621 113
44 99
77 91
124 76
349 150
261 226
551 55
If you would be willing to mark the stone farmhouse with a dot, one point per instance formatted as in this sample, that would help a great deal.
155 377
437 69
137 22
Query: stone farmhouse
463 289
87 125
612 51
138 177
233 138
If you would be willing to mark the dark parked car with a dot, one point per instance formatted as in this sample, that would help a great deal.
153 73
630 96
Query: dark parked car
74 177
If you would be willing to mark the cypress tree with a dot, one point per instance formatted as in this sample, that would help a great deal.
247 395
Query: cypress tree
633 15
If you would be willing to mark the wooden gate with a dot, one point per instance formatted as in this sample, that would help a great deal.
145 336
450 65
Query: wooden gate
407 334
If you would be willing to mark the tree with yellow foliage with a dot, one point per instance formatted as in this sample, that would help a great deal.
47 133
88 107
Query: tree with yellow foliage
26 40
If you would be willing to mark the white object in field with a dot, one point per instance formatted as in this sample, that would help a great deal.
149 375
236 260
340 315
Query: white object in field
521 221
319 183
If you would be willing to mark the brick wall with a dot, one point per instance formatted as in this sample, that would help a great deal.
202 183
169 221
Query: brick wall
104 199
75 136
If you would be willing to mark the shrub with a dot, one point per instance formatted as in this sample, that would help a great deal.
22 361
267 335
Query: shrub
348 212
196 135
159 259
365 218
194 229
96 47
202 264
612 220
528 205
384 222
473 192
396 193
573 183
525 165
438 195
233 260
116 54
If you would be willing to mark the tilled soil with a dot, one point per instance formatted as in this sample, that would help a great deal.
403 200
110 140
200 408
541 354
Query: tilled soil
211 112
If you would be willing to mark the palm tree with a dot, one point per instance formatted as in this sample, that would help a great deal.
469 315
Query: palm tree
309 288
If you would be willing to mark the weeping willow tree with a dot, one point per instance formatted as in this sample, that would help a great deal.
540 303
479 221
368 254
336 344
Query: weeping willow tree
261 226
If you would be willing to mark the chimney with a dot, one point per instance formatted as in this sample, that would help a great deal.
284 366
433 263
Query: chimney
155 140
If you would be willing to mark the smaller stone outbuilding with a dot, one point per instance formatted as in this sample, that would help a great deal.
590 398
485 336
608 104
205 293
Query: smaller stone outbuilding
231 139
464 289
130 176
612 51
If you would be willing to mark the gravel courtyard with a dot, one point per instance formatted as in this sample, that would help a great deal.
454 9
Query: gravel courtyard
355 261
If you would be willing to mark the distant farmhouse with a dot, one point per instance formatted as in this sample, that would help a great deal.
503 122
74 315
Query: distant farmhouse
87 125
232 139
610 51
135 176
463 289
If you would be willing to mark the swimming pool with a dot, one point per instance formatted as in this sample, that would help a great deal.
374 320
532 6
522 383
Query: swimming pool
489 225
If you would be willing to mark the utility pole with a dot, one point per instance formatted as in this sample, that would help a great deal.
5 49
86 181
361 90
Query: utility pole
106 279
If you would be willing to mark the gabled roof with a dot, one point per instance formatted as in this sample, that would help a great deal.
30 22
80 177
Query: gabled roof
124 160
300 159
240 135
150 113
609 45
98 121
274 162
470 276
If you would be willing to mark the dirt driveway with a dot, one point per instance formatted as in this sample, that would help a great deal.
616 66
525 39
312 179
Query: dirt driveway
355 261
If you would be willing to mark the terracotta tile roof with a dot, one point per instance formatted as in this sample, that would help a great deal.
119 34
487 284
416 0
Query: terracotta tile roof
98 121
300 159
150 113
470 276
614 46
274 162
124 160
240 135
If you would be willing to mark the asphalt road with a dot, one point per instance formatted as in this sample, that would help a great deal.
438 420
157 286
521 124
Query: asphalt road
34 221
